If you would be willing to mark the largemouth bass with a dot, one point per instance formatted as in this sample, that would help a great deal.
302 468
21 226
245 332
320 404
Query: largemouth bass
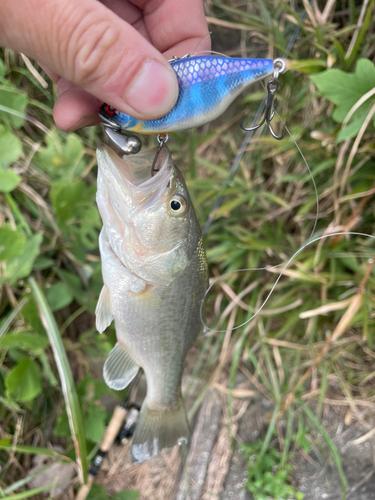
155 277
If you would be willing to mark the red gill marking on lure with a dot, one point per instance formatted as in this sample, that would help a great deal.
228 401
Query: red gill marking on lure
111 111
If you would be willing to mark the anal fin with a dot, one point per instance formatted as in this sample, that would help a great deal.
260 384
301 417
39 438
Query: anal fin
103 310
120 368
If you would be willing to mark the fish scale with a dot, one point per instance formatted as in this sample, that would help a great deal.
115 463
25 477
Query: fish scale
207 86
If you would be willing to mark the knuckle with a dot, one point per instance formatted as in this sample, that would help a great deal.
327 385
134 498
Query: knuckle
93 42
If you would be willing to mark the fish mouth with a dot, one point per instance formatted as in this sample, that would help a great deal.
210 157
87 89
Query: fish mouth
127 187
132 202
133 172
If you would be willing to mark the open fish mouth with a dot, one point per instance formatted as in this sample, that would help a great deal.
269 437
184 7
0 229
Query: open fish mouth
129 182
134 170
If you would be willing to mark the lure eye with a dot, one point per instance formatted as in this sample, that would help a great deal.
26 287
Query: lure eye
110 110
178 205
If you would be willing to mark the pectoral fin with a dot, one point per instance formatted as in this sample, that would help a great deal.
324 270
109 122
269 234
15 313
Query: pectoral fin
103 310
120 368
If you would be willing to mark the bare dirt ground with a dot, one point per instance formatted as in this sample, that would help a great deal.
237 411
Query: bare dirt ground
215 469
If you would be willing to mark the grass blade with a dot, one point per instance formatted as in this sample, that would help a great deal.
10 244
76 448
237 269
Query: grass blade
30 493
11 316
332 448
6 444
70 395
26 480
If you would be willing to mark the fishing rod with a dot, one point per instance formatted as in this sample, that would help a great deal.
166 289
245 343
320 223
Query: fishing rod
127 412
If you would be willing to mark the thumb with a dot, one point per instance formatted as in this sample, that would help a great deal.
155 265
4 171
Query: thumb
93 48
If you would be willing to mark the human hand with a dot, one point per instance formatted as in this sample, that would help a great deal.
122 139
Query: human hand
106 51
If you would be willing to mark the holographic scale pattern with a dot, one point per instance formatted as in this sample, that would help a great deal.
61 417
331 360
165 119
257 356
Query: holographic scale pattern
208 85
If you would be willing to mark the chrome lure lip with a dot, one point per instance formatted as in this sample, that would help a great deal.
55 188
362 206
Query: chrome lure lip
128 144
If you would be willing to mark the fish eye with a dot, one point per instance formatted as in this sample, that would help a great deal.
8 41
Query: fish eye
178 205
111 111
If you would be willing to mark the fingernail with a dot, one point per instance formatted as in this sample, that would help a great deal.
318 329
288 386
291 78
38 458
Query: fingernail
154 90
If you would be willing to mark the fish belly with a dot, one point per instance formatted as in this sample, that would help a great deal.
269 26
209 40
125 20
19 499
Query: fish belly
157 324
155 327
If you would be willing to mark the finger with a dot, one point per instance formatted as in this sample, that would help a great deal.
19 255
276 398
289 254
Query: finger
176 28
93 48
74 108
54 76
130 13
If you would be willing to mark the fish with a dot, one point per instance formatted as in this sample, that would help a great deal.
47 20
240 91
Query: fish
155 277
207 86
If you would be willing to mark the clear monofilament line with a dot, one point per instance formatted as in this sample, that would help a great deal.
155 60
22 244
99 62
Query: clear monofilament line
286 265
247 138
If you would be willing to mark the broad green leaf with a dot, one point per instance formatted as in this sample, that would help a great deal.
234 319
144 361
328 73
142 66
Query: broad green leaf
21 266
62 427
23 382
345 90
11 405
65 197
351 130
24 340
58 296
15 100
10 148
126 495
95 423
30 314
12 244
90 222
43 263
97 492
9 180
75 285
61 158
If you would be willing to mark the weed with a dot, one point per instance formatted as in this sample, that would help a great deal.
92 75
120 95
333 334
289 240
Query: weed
266 479
314 339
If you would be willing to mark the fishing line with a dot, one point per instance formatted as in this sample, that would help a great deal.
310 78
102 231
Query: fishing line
282 263
310 173
277 279
220 199
230 177
248 136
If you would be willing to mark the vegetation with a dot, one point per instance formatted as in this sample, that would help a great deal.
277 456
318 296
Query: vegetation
313 340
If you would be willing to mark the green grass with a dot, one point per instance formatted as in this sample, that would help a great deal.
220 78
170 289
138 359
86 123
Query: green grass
296 353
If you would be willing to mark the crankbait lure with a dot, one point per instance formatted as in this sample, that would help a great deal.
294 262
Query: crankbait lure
207 86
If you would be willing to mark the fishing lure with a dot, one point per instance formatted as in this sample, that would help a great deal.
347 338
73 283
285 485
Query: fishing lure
207 86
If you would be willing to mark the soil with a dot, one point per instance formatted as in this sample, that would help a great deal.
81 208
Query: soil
215 468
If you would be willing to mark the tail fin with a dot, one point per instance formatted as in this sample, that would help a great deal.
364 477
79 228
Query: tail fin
159 429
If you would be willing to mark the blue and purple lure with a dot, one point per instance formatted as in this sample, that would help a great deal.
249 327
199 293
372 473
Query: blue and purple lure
208 85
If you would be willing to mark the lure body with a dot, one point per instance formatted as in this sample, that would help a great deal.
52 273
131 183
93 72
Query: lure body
207 86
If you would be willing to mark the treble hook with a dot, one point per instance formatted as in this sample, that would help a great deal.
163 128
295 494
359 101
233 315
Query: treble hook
162 139
272 86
